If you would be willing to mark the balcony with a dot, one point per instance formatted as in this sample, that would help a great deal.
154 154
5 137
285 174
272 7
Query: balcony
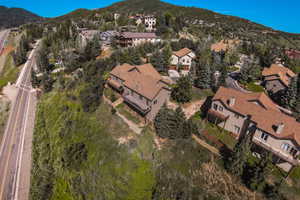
277 152
137 104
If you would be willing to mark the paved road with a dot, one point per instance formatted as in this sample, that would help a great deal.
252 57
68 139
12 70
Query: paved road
3 37
231 82
15 157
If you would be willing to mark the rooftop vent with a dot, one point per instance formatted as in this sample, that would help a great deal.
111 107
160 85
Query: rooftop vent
280 128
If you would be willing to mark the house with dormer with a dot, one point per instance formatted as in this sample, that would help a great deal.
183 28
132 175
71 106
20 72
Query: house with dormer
277 78
141 87
271 128
182 60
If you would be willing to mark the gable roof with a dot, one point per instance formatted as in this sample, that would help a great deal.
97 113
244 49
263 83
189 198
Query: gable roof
182 52
263 111
143 79
138 35
280 71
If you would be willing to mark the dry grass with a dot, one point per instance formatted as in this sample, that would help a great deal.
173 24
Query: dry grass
217 181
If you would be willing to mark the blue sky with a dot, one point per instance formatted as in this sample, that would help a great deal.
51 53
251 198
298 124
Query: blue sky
278 14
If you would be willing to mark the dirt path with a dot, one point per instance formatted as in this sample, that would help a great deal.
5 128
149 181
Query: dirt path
133 126
189 109
207 146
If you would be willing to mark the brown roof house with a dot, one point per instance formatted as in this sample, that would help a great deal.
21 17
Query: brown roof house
181 60
126 39
256 114
277 78
142 88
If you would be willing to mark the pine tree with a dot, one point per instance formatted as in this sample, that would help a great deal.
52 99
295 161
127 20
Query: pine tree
182 91
203 79
135 57
179 122
158 61
166 56
259 172
161 122
223 76
236 162
289 97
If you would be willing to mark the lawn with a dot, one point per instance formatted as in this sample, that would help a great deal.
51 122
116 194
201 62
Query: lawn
110 94
223 135
124 110
254 88
199 94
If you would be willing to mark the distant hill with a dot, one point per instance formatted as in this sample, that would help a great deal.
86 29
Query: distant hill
12 17
206 21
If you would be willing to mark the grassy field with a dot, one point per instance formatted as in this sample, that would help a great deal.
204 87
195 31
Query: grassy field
4 112
123 109
75 155
10 72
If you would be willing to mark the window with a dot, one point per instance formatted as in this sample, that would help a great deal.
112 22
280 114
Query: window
237 129
264 136
155 102
293 151
141 97
285 147
236 116
215 106
220 108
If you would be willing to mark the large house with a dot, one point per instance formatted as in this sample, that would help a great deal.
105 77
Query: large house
254 113
181 60
277 78
142 88
148 20
126 39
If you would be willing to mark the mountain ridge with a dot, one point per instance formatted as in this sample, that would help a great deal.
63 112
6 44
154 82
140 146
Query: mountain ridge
13 17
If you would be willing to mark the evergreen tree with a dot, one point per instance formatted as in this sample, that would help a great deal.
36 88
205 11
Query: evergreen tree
289 97
203 79
236 162
182 91
179 121
158 61
166 56
135 57
223 76
163 122
189 128
257 173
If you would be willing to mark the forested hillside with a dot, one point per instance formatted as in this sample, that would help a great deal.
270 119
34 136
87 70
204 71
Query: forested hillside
13 17
197 21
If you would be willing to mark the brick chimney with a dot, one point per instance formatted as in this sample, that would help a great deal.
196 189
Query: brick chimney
280 128
231 101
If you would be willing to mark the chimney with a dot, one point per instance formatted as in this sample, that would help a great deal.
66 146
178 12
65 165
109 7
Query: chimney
231 101
280 128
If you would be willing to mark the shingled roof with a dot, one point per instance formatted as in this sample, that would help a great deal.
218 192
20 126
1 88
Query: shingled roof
281 72
143 79
182 52
263 111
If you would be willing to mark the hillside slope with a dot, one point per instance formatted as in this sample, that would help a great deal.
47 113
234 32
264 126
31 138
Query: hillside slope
12 17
